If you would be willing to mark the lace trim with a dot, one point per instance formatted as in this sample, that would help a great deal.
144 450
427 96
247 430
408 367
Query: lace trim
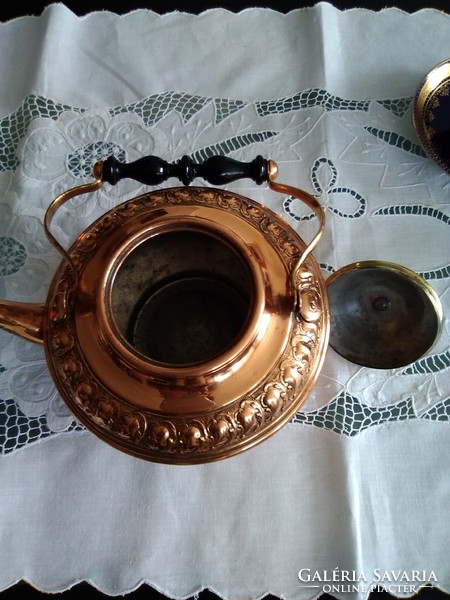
46 146
154 108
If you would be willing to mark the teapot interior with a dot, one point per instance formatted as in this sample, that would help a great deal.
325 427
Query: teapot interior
182 297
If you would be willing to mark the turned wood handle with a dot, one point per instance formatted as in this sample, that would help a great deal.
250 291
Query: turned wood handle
217 170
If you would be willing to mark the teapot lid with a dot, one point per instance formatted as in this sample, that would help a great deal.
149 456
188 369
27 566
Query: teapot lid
383 315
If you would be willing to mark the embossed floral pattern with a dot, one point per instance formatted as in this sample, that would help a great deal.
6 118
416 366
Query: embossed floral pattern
23 268
58 154
25 379
349 203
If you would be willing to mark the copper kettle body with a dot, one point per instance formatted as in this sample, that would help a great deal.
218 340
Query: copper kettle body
187 324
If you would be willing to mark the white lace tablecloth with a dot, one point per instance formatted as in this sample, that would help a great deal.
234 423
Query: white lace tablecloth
356 490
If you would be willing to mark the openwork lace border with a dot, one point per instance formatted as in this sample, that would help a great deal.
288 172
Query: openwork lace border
346 414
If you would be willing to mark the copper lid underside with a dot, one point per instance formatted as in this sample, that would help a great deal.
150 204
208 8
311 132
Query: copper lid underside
383 315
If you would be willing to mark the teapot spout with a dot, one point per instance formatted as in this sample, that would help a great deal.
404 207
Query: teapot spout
23 319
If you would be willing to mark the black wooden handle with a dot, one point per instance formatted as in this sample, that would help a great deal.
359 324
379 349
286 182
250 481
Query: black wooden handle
218 170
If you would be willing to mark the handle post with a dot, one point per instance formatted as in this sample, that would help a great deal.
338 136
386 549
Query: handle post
310 201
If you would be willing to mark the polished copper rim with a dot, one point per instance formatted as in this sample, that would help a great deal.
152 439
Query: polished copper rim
171 224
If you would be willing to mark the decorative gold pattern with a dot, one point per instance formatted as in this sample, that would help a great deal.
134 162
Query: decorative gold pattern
435 85
220 431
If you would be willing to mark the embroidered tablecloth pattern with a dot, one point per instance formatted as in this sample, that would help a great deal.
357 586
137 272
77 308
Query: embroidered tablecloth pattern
328 95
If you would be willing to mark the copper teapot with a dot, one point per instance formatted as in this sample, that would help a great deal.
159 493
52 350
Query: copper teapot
187 324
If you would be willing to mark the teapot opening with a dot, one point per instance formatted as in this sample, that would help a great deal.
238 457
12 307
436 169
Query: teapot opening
183 297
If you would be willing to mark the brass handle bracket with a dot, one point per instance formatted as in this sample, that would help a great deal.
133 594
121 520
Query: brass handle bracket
312 203
62 199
